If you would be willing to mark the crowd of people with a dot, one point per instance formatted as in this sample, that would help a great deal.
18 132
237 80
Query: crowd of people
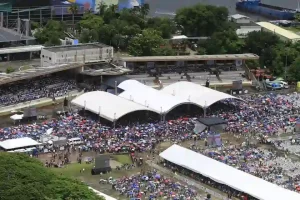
152 185
267 115
51 86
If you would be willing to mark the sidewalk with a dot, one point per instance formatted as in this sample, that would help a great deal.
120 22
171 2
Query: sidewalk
215 195
37 103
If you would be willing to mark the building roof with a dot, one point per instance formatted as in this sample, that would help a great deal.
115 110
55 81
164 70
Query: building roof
238 16
76 47
179 37
248 56
280 31
21 49
156 100
195 93
8 35
111 107
18 143
227 175
35 72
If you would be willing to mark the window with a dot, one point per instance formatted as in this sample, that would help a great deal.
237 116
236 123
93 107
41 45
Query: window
43 56
49 58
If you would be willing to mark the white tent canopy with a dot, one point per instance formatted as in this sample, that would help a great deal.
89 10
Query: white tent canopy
16 117
224 174
195 93
110 107
132 85
18 143
158 101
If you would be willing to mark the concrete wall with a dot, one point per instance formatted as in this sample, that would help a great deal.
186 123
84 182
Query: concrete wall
242 21
49 58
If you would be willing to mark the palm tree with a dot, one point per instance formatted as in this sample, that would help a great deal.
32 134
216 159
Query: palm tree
102 8
74 10
145 8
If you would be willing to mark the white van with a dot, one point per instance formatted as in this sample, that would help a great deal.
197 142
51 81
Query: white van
75 141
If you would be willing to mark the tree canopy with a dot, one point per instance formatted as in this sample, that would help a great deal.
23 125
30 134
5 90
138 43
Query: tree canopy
23 177
133 31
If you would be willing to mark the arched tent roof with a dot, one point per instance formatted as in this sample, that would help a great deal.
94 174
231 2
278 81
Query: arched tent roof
111 107
132 85
195 93
154 99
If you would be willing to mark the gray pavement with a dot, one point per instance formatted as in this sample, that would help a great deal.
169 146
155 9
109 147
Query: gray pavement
17 64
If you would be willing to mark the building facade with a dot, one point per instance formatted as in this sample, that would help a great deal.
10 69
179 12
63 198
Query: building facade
82 53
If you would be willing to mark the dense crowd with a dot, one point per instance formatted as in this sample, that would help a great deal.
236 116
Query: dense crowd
29 90
152 185
267 115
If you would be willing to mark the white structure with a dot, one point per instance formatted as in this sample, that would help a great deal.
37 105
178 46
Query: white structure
197 94
18 143
102 194
284 34
156 100
108 106
82 53
240 19
227 175
139 97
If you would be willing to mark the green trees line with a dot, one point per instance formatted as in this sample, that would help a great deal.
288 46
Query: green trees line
133 31
23 177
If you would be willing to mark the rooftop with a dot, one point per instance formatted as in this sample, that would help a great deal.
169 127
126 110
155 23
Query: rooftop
21 49
248 56
238 16
280 31
8 35
18 143
76 47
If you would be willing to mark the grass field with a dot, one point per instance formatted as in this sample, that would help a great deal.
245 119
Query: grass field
73 170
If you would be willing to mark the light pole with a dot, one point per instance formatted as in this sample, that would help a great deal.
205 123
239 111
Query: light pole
116 92
99 113
114 123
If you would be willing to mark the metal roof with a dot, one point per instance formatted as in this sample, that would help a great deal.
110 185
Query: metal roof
76 47
279 31
31 73
21 49
248 56
8 35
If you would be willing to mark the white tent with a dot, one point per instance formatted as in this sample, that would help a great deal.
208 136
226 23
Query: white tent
16 117
132 85
227 175
195 93
18 143
158 101
110 107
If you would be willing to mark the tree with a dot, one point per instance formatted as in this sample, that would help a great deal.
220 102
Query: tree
165 25
23 177
297 17
10 70
51 33
146 44
294 70
74 10
224 42
201 20
91 21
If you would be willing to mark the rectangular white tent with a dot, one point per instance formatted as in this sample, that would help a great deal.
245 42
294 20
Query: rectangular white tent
18 143
227 175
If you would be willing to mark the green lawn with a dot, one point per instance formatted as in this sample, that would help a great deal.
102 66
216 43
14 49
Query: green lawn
122 158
